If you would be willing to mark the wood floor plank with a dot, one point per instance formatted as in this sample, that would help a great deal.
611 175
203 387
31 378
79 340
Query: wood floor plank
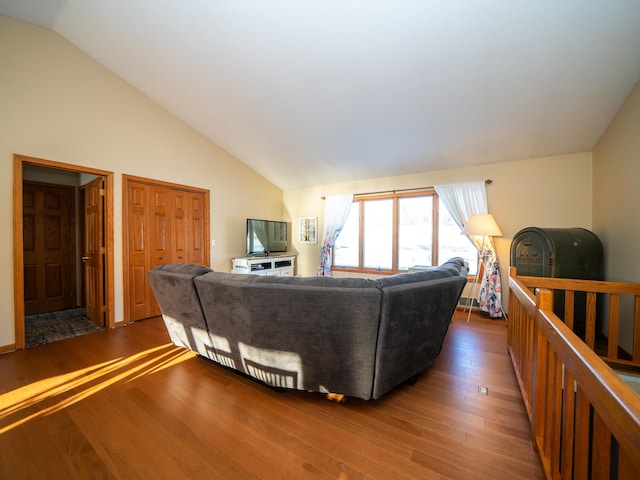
327 427
126 404
16 456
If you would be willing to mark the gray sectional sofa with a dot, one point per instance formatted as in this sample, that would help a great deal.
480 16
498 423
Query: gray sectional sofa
352 336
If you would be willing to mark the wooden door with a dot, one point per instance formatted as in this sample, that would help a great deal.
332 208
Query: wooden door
187 232
93 256
48 247
165 223
148 244
158 245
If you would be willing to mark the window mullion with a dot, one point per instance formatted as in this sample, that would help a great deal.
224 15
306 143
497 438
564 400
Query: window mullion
435 231
394 257
361 235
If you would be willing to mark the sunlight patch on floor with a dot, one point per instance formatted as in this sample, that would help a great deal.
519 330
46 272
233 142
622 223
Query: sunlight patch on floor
55 393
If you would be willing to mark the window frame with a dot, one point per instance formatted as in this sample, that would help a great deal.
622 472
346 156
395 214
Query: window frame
395 196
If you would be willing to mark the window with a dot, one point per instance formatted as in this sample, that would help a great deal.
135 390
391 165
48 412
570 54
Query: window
390 233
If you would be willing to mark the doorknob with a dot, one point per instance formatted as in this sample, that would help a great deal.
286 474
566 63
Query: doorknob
84 259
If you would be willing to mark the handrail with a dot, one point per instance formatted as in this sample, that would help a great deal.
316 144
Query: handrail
597 286
612 292
578 406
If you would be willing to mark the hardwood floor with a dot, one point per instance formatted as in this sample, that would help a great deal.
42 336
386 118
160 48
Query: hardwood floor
126 404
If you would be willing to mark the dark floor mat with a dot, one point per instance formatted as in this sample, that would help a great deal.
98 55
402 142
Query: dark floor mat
53 326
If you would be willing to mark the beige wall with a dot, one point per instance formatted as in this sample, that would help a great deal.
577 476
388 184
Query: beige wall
59 104
616 192
542 192
616 197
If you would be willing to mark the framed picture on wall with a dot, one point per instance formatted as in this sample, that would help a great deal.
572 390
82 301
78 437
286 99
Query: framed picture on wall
308 232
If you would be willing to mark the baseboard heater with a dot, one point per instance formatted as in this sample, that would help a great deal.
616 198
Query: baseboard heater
464 302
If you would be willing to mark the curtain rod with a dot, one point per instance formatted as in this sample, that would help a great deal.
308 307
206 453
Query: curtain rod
488 181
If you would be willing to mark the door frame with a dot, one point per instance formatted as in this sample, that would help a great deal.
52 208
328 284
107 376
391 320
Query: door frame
18 258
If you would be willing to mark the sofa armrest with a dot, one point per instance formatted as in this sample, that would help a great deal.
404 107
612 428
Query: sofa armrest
179 304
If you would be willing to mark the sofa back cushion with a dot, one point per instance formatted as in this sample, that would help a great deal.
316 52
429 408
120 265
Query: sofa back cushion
184 268
310 333
455 267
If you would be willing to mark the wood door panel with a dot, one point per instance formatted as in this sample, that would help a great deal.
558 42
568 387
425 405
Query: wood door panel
139 292
188 230
53 273
162 221
179 233
92 299
48 247
29 233
52 200
148 246
197 228
138 234
53 239
94 250
28 198
160 241
138 238
30 283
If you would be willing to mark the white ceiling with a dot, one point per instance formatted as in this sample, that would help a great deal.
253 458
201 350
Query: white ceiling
311 92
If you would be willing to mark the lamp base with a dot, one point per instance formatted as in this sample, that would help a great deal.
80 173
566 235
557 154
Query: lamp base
470 297
481 254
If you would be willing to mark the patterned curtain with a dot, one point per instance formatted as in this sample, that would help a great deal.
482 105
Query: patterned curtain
490 295
336 211
462 201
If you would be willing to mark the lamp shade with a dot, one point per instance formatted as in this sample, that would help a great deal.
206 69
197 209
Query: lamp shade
482 225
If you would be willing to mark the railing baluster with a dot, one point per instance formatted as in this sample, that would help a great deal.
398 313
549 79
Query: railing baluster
556 414
590 322
568 425
582 440
636 330
626 466
614 326
601 448
569 296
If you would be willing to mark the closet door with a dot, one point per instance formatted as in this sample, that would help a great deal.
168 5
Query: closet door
165 223
148 245
187 226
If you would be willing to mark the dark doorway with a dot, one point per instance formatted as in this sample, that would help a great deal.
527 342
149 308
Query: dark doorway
50 278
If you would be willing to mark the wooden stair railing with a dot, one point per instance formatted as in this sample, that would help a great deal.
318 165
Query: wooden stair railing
611 293
585 419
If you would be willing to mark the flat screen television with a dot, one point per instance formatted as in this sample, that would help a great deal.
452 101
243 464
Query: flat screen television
266 236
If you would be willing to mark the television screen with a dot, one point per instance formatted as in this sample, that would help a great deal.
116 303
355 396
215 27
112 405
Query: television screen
266 236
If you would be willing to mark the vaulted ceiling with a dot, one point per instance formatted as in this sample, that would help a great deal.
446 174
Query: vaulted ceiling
311 92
